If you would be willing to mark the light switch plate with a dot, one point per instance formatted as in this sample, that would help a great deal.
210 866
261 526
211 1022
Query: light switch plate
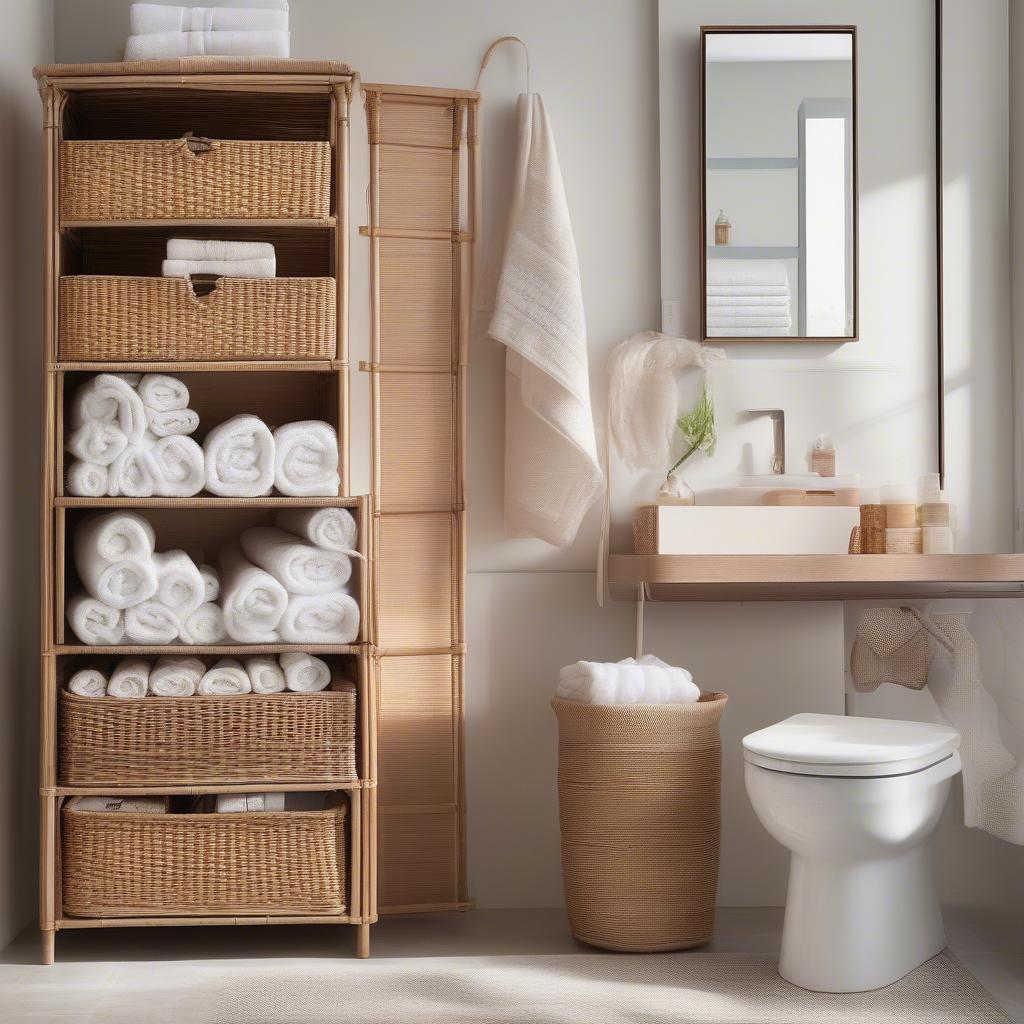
671 319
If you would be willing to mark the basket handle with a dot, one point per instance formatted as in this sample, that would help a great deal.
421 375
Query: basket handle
203 301
193 145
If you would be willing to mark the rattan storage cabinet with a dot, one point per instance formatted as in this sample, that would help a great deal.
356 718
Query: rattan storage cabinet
119 181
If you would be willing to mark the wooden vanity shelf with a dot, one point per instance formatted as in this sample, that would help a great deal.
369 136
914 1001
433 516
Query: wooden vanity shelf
813 577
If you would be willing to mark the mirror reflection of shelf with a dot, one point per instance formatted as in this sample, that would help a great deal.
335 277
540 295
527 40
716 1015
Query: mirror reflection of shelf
754 252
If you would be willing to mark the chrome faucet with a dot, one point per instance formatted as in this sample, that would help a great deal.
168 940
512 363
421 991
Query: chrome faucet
778 418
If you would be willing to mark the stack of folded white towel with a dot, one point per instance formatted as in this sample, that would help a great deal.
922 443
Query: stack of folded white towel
186 256
647 681
748 299
129 435
257 29
134 678
275 587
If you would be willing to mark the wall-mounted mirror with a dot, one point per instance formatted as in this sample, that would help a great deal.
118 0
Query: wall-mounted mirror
779 183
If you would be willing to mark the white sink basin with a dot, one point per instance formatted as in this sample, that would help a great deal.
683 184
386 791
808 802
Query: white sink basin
750 490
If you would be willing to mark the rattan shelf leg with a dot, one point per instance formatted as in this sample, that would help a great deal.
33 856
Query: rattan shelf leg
363 941
49 937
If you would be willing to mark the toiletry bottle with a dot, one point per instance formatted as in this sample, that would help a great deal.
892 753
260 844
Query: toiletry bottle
823 456
722 229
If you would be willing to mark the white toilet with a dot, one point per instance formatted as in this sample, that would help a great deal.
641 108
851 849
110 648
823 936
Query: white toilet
855 801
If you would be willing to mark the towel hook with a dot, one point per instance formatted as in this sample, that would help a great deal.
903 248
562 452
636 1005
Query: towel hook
490 53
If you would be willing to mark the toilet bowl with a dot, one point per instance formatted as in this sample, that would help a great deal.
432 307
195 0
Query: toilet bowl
855 801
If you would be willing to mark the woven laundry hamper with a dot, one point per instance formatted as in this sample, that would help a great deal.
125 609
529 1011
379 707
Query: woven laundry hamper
639 805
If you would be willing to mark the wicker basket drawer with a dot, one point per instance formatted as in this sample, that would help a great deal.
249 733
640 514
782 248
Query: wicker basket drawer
142 319
165 865
166 180
279 737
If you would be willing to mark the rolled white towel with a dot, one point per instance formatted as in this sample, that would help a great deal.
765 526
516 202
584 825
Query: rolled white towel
172 422
302 568
93 622
163 393
241 803
110 399
204 626
135 473
97 442
131 379
306 459
175 677
88 682
114 536
180 466
240 458
304 673
163 45
151 622
265 673
226 677
219 268
87 480
129 679
179 583
252 600
220 251
321 619
211 582
149 18
333 529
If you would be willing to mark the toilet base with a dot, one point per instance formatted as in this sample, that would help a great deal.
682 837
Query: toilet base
859 924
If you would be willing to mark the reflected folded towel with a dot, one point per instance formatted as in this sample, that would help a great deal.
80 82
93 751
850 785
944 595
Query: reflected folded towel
163 393
265 673
120 804
130 679
719 314
180 466
253 601
172 422
742 297
300 567
304 673
211 582
219 268
163 45
240 458
749 321
306 459
333 529
87 480
204 626
93 622
179 583
151 622
746 332
220 252
135 473
88 682
321 619
647 681
175 677
108 398
226 677
97 442
743 273
239 803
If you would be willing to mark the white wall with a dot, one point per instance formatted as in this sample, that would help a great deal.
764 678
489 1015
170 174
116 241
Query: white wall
531 608
26 39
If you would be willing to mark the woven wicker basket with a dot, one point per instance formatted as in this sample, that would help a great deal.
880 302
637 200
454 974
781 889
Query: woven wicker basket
140 319
164 865
281 737
639 805
167 179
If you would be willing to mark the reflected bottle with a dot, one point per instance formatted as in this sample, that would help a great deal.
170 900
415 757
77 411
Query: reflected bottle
722 228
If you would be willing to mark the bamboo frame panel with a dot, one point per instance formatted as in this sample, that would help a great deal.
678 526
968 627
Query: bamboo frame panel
423 208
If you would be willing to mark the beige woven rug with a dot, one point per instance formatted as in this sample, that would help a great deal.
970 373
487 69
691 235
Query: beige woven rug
702 988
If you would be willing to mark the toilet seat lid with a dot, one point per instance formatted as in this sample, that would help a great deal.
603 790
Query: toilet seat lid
811 744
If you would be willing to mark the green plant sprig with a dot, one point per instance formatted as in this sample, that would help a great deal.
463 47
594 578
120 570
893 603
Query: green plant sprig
698 428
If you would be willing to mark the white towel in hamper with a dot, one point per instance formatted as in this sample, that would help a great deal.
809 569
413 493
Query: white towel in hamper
130 679
87 480
253 601
97 442
647 681
305 673
301 568
241 803
93 622
175 677
225 678
219 251
306 459
331 528
218 268
265 673
320 619
88 682
204 626
151 622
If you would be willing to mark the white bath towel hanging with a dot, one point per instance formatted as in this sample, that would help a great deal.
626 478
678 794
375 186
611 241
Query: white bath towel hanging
552 472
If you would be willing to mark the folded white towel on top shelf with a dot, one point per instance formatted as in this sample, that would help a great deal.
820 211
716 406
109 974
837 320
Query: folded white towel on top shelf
253 601
163 393
320 619
218 251
180 585
226 677
306 459
151 622
176 677
88 682
647 681
265 673
204 626
300 567
331 528
180 466
305 673
149 18
240 458
108 398
93 622
130 679
164 45
97 442
87 480
219 268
